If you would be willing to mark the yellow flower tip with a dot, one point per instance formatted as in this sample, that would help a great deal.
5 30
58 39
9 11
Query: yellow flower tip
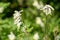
21 11
55 29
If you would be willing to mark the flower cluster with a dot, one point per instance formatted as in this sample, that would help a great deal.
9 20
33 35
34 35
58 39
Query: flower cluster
37 5
17 18
47 9
11 36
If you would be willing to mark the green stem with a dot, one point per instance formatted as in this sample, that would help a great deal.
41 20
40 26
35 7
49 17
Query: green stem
46 26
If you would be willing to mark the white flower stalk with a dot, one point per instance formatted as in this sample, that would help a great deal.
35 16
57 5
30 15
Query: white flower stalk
11 36
47 9
36 36
17 18
1 9
39 21
35 3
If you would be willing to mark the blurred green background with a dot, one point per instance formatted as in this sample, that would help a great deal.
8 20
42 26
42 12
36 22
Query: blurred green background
28 18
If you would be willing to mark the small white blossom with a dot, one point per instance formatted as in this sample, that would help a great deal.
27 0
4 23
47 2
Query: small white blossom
19 25
39 21
57 37
16 14
35 3
24 29
1 9
36 36
47 9
11 36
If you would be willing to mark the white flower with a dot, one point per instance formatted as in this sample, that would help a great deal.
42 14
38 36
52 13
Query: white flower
18 24
35 3
11 36
47 9
39 21
57 37
36 36
16 14
1 9
17 18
